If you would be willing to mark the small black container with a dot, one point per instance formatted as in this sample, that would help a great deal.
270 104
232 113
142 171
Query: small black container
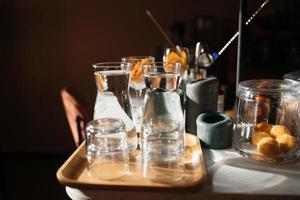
201 97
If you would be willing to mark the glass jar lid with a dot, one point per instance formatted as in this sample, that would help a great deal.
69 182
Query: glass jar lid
253 88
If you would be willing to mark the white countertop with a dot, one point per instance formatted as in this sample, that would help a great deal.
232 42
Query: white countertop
228 172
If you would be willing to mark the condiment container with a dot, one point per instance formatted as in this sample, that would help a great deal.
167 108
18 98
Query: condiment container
268 120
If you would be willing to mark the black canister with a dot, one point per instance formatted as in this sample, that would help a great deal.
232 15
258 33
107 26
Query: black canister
201 97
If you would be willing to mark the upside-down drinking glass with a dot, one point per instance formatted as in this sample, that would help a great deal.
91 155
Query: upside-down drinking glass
107 149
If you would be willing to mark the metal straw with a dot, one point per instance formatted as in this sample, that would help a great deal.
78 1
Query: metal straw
247 22
160 28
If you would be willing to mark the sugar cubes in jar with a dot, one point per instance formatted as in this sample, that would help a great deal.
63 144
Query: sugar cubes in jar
268 120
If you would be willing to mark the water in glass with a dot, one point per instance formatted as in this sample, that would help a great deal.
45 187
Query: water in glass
112 99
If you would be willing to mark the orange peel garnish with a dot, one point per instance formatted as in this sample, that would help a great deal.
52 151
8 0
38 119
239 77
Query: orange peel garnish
184 59
155 81
136 73
173 57
101 82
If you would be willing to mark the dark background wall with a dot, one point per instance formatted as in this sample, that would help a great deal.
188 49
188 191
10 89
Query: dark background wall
46 45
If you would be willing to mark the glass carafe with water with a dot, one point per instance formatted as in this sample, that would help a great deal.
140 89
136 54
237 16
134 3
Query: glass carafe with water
112 99
163 123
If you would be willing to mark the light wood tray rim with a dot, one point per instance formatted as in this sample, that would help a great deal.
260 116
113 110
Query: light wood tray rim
76 157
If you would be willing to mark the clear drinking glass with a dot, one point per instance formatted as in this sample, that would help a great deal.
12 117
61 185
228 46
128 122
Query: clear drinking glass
178 55
137 87
163 123
106 148
112 99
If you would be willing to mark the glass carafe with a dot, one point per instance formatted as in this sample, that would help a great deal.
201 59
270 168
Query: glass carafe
112 99
163 123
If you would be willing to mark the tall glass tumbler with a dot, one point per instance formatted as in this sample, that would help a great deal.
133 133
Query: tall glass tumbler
178 55
137 88
162 136
112 99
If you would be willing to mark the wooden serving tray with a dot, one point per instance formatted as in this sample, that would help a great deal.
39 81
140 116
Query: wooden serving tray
74 172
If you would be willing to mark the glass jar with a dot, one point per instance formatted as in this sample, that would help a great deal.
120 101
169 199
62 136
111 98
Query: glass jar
268 120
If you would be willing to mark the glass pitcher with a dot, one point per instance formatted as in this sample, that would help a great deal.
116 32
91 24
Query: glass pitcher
112 99
162 132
